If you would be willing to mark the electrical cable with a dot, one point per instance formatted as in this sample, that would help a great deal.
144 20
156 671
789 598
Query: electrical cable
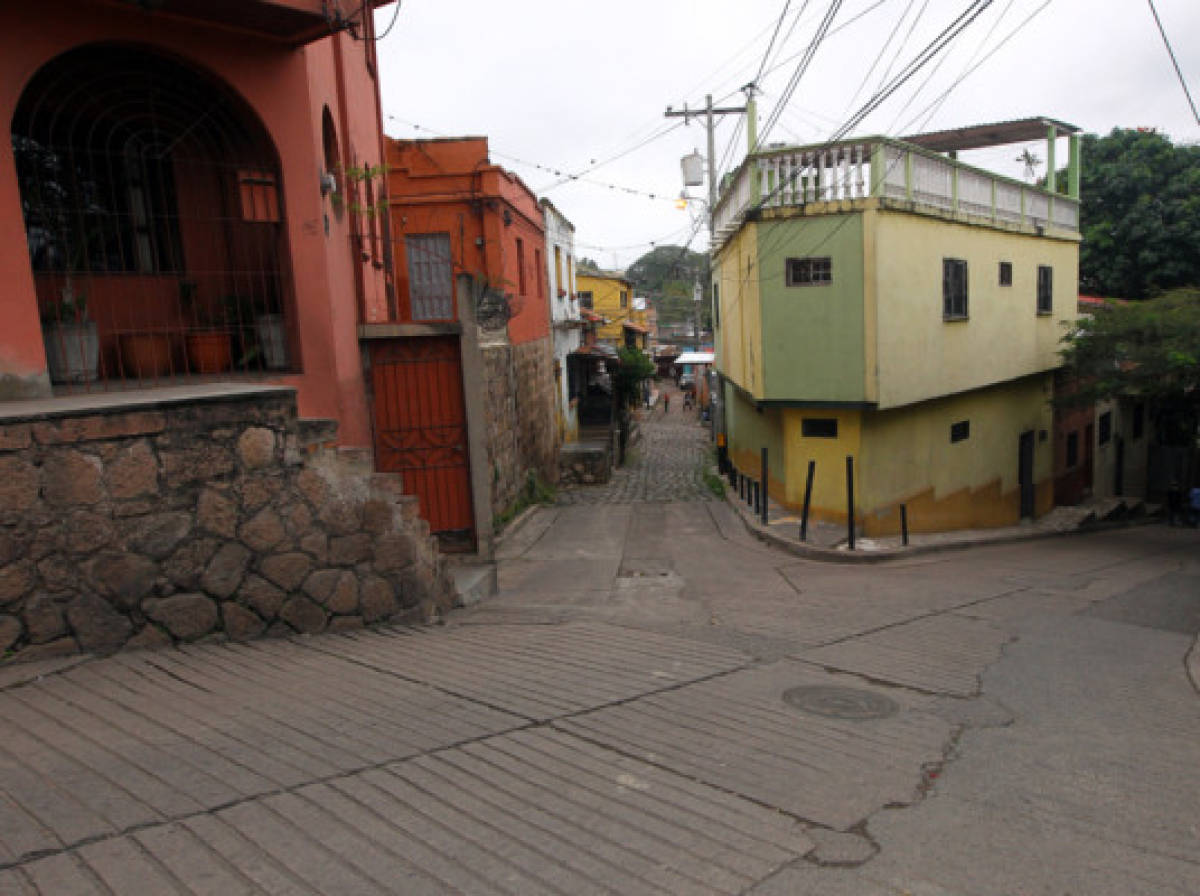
879 56
770 44
1174 61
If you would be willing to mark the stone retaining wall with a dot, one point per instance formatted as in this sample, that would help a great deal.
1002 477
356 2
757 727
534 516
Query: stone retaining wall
522 435
192 519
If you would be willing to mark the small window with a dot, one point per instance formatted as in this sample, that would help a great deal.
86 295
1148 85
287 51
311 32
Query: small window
585 299
818 427
1045 289
960 431
559 283
809 271
1006 273
259 195
1139 420
1072 449
954 289
1105 427
537 273
520 266
716 304
624 298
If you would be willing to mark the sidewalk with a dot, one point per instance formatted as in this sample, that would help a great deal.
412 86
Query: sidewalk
830 542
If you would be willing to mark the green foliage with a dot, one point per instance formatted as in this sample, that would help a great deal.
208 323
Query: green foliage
535 491
636 367
1140 214
1149 349
587 266
666 275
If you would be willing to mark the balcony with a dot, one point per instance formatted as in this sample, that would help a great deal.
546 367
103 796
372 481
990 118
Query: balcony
898 174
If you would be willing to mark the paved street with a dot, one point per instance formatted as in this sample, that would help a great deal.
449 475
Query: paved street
655 703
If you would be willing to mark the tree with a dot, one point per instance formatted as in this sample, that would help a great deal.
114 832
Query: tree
636 367
1140 214
587 266
1148 349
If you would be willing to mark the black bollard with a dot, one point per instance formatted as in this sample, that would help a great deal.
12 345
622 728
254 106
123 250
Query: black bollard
850 498
812 465
765 492
904 524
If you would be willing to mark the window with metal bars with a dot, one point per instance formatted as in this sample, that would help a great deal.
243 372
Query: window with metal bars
954 289
430 276
1045 289
809 271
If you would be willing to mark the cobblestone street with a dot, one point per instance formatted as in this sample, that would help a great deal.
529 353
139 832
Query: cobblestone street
666 462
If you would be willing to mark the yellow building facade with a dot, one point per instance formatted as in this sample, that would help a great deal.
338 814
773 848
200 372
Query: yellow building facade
611 297
903 310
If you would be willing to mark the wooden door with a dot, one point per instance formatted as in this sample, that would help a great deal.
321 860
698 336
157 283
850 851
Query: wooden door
421 430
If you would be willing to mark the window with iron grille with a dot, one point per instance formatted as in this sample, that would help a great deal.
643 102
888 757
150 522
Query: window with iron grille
624 298
954 289
1006 273
819 427
1045 289
1105 427
809 271
960 431
430 276
585 299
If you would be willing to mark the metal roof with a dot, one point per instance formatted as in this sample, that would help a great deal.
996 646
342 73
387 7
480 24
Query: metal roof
998 133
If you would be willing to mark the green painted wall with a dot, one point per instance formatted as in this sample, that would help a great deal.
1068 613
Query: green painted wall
813 336
750 432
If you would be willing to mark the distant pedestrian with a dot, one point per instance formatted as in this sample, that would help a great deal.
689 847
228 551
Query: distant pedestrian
1174 502
666 404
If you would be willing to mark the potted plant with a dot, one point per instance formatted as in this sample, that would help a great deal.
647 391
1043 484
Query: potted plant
208 344
263 332
71 338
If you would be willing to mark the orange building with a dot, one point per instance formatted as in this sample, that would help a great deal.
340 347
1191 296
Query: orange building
200 177
463 379
446 196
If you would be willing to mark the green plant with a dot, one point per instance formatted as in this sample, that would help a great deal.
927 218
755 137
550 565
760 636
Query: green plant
635 368
535 491
715 483
69 307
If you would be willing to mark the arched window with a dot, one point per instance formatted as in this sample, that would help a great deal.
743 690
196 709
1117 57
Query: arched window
151 196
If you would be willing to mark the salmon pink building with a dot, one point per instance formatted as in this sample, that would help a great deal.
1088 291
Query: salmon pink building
188 193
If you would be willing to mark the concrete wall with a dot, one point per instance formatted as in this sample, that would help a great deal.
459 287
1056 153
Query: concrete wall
922 356
739 339
813 336
141 523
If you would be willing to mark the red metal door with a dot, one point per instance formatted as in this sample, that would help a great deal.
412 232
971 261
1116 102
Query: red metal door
421 430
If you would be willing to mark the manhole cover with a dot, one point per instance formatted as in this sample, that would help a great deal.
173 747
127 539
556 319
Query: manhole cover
841 703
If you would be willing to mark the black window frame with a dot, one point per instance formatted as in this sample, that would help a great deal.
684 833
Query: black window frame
954 273
716 300
1104 428
587 299
808 270
960 431
819 427
1045 289
1006 273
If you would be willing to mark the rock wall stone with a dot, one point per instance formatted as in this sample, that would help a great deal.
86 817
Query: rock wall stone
198 519
522 436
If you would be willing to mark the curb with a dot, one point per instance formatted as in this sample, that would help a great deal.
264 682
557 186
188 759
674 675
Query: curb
833 555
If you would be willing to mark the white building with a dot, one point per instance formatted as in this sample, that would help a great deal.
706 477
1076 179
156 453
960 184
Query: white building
565 319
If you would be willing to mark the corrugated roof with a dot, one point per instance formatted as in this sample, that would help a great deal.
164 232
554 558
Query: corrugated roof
999 133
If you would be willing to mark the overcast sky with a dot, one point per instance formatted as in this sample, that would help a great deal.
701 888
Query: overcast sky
565 83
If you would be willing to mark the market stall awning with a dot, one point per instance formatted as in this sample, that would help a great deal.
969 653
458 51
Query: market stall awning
696 358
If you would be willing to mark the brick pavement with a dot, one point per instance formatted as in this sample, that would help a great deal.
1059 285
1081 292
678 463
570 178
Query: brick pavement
666 463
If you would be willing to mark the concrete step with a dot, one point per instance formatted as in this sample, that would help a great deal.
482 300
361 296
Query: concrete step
473 583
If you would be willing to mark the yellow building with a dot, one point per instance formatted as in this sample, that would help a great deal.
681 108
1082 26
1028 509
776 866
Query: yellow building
880 300
611 296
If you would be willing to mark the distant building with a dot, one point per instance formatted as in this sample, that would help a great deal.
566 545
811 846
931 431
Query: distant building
565 318
611 296
879 300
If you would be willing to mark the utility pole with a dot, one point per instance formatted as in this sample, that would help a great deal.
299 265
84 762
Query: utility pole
708 113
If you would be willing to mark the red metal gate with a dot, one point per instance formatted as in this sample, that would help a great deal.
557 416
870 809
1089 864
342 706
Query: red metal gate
421 430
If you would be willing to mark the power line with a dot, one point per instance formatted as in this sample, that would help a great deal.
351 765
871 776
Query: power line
1174 61
519 161
770 44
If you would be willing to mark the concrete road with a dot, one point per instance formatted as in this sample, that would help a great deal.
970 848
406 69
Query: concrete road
655 703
